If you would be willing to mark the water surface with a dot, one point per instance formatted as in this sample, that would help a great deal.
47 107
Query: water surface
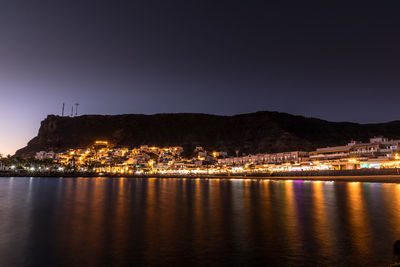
196 222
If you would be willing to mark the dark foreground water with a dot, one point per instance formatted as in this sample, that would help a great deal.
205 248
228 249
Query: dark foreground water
141 222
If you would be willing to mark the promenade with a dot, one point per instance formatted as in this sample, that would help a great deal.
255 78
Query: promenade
373 176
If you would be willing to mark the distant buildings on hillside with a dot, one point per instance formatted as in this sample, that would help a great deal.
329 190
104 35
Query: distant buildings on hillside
379 152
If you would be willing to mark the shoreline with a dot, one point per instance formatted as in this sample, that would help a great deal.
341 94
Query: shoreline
362 179
335 178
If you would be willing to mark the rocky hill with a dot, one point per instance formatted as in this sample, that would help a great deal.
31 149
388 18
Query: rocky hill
249 133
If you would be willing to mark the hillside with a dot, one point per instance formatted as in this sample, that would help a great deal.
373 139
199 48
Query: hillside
250 133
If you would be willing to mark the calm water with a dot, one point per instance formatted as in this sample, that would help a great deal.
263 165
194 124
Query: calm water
126 222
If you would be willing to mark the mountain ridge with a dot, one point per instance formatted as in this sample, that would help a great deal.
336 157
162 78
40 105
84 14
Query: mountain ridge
262 131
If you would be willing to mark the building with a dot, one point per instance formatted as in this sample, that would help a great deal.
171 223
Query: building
273 158
42 155
375 148
331 153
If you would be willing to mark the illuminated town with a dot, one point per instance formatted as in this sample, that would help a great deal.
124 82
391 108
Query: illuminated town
104 159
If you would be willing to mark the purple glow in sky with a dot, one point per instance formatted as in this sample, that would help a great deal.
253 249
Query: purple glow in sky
113 57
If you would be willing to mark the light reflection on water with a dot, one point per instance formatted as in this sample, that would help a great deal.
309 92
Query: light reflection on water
122 222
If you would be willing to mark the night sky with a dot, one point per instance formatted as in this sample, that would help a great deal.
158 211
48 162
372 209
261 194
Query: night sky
339 63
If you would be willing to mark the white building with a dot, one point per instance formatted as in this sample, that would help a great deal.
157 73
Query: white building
293 156
45 155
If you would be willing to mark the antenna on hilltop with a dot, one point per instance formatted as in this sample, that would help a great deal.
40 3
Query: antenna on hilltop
76 109
63 106
72 111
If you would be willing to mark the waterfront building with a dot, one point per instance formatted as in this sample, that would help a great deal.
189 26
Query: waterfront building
331 153
267 158
284 157
376 147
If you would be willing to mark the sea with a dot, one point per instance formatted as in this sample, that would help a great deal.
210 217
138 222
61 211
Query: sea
196 222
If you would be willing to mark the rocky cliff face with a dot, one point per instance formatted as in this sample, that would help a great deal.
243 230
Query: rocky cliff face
249 133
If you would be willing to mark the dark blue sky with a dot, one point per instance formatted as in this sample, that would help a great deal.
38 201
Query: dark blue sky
225 57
